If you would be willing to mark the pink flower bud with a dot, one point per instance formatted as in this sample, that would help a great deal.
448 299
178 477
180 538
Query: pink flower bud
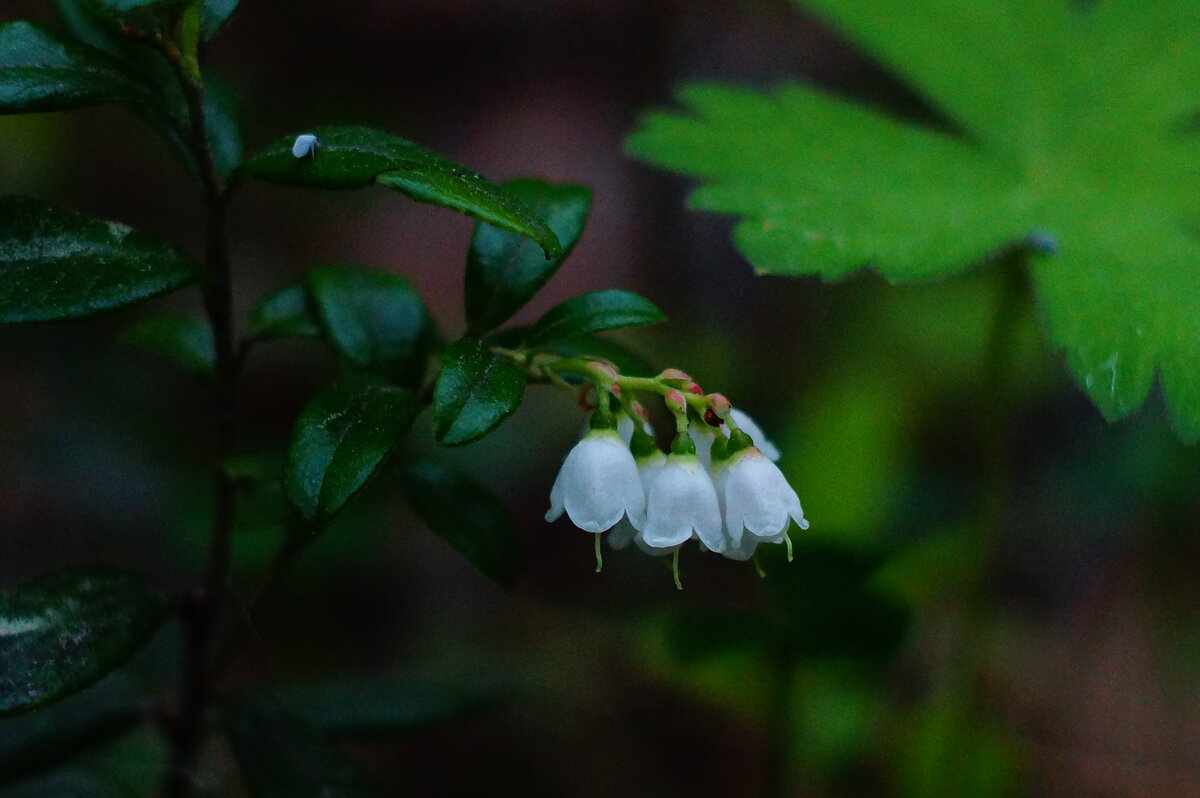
676 402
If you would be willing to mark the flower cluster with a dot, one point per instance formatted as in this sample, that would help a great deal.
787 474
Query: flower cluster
718 485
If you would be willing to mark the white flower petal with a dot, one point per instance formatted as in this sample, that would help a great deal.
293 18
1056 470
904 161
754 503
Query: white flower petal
681 501
751 428
598 483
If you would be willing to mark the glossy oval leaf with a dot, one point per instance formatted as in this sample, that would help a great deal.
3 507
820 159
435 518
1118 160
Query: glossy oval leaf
39 741
63 632
594 312
475 391
44 70
282 756
184 341
505 270
376 320
57 264
466 515
287 313
341 439
354 157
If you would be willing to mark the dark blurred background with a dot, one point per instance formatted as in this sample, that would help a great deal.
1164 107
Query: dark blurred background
1055 651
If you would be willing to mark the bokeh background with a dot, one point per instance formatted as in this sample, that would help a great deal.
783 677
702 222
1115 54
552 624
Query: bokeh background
998 594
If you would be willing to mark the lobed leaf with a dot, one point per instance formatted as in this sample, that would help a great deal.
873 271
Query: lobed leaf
282 756
375 320
476 390
43 70
56 264
355 157
341 439
63 632
466 515
1068 138
505 270
593 312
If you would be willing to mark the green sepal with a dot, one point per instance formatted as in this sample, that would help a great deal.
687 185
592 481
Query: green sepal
683 444
642 444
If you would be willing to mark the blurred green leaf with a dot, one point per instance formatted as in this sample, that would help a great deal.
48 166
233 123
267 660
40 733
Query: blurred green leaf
224 128
64 631
214 14
282 756
594 312
1074 144
696 634
57 264
39 741
287 313
354 157
395 704
832 607
70 783
466 515
505 270
476 390
341 439
375 320
43 70
945 754
184 341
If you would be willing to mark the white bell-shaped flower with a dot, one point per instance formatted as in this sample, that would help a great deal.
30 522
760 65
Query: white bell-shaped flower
756 501
751 428
598 484
681 502
624 533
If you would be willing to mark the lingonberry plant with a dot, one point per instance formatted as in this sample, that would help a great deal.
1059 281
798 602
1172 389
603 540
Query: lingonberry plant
62 632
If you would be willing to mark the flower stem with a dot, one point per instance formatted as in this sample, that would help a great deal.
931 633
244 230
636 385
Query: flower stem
202 619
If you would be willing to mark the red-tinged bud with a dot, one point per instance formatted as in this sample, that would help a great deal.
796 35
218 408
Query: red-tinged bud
695 388
615 390
674 374
712 419
585 399
720 404
639 411
604 368
676 402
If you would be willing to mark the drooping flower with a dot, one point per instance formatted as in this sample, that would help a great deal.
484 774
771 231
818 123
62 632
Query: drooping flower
648 466
681 502
757 503
598 484
751 428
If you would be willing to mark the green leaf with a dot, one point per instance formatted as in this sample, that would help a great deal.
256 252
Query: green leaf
214 14
400 703
504 270
287 313
627 361
375 320
1074 143
39 741
832 607
43 70
131 11
56 264
475 391
594 312
466 515
342 438
184 341
282 756
63 632
355 157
